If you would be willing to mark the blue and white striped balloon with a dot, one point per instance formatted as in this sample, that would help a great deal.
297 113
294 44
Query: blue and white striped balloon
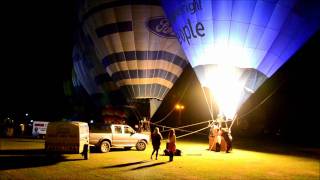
136 45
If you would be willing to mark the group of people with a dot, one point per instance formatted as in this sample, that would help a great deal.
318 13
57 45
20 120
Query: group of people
156 142
216 133
218 136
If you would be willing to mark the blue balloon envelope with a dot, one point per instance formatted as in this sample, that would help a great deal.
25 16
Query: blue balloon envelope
235 45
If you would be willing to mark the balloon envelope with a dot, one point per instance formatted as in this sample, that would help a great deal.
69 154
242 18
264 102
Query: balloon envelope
90 72
136 45
234 45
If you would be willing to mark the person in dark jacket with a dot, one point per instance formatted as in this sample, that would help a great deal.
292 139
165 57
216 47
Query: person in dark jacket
226 134
156 141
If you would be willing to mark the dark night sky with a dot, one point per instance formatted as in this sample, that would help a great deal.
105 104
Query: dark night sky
36 57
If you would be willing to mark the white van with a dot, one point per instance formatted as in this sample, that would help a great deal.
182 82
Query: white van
39 129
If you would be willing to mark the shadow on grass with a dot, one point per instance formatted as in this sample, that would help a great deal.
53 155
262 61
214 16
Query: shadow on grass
274 147
16 159
149 165
267 145
22 152
94 149
126 164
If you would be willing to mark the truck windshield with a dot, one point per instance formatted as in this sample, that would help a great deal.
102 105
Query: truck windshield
100 128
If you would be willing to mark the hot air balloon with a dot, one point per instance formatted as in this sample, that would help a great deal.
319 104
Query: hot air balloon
76 96
102 90
91 73
136 45
235 45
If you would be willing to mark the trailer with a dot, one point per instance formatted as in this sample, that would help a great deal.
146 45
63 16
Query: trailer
67 138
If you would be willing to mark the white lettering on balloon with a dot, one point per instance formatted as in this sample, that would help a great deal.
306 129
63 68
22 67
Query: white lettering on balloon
190 29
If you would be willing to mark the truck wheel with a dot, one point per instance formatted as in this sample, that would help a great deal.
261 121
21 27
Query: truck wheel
105 146
141 146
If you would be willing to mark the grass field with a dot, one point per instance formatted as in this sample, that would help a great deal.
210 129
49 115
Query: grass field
24 159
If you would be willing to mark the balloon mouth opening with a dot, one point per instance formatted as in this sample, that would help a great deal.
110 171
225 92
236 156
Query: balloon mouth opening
224 89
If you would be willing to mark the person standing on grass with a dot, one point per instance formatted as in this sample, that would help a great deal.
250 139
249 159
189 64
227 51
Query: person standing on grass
171 144
156 138
226 134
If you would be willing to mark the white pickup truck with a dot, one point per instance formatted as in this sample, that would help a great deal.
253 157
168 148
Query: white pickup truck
105 137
